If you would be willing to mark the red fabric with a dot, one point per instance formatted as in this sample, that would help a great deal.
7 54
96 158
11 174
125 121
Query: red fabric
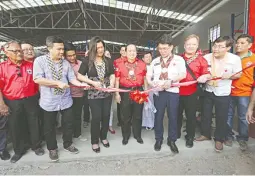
16 87
200 67
122 73
251 28
115 63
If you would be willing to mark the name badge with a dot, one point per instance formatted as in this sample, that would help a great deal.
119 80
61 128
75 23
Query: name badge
131 72
29 71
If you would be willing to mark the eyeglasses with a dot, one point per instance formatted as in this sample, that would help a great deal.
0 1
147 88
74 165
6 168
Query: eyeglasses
218 47
18 71
16 51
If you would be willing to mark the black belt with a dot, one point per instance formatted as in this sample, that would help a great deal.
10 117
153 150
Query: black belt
132 88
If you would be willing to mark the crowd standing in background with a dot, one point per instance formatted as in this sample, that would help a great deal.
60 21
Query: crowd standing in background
34 90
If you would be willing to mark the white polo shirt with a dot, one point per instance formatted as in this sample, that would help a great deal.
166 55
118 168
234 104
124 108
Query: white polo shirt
231 66
175 69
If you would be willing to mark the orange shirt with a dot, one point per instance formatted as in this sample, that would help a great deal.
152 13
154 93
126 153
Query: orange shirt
243 85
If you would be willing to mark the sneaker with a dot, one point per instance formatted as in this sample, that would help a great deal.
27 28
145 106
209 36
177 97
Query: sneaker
39 152
243 145
85 124
218 146
72 149
228 143
81 138
53 155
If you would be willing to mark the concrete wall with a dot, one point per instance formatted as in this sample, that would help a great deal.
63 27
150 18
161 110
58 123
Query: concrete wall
222 16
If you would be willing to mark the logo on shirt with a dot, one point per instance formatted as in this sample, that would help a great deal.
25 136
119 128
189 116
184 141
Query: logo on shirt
29 71
248 64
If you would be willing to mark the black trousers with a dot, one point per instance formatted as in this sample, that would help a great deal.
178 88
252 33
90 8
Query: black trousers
24 111
131 113
86 113
221 104
50 120
118 113
100 110
77 109
3 132
188 104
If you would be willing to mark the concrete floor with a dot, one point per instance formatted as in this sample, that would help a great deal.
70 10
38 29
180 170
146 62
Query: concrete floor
117 150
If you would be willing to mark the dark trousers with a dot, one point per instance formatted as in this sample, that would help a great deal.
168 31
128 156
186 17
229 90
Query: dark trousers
131 113
24 111
188 104
221 104
77 109
118 113
50 120
100 110
169 101
3 132
86 113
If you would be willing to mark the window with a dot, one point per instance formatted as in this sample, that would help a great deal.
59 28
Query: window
214 32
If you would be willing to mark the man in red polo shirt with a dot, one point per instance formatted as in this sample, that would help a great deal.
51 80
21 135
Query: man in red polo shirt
130 74
18 97
123 55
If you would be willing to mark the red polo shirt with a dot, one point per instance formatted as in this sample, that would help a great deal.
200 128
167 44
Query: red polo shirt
199 67
121 72
17 82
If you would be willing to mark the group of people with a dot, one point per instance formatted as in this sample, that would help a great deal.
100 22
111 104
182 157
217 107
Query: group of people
34 90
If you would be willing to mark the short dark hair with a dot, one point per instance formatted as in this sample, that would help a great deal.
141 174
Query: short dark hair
148 52
124 47
50 40
249 38
69 47
165 39
229 41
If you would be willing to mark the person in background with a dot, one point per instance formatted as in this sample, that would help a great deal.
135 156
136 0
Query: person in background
165 70
111 130
241 92
123 55
197 69
217 92
130 74
148 115
53 73
28 50
18 99
77 93
100 73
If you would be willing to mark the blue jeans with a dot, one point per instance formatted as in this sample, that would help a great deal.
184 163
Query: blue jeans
169 101
242 105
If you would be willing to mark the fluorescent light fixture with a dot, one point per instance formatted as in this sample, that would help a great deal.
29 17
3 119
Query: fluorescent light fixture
15 4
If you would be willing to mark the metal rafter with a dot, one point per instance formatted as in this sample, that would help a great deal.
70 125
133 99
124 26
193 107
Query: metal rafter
108 22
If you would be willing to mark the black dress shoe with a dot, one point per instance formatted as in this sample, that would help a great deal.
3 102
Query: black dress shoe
173 147
107 145
189 143
125 141
15 158
39 152
4 155
97 150
157 146
139 140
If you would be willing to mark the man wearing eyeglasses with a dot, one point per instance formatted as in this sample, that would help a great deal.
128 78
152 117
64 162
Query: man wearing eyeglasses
227 66
18 100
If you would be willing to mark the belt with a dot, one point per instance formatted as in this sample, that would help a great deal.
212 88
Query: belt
132 88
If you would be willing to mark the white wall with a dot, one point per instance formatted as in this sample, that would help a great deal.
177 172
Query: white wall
222 16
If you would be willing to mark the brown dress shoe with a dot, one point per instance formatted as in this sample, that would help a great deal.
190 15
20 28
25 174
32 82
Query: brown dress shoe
202 138
218 146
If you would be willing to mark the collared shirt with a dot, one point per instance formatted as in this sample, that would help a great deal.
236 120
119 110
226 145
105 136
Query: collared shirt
48 100
16 82
231 65
243 85
175 69
199 66
121 71
76 92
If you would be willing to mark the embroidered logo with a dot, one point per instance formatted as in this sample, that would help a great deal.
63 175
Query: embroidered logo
29 71
248 64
